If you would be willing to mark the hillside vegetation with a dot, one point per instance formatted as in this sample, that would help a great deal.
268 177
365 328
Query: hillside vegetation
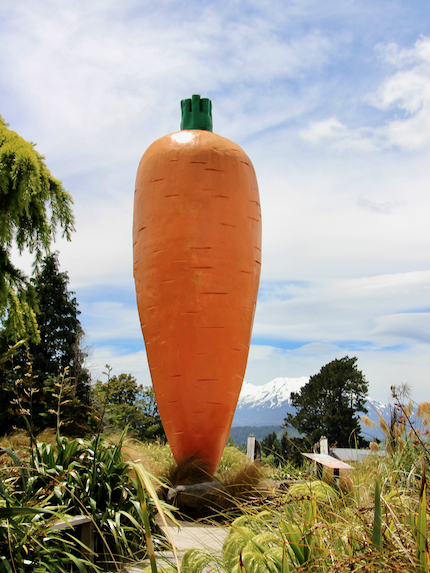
240 433
375 518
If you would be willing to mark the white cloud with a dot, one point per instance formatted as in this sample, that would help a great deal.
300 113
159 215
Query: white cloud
135 364
327 128
101 249
262 352
344 311
406 91
109 320
95 78
413 327
408 88
381 369
385 208
317 349
344 198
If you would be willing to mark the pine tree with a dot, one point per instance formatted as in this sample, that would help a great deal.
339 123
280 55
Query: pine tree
55 362
61 335
328 404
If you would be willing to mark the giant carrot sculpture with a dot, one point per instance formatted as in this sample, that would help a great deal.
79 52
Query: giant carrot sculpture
197 259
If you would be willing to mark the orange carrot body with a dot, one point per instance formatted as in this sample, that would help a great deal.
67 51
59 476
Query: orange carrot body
197 260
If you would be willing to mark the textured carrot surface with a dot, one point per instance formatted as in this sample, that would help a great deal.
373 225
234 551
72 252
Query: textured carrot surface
197 260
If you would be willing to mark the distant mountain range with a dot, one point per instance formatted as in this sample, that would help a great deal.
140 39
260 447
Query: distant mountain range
240 433
269 404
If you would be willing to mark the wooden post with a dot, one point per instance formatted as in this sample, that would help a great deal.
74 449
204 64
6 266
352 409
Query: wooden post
250 447
86 525
323 448
336 475
323 445
87 538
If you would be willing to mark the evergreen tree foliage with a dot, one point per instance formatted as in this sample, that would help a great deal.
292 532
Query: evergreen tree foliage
61 337
271 443
54 363
271 449
240 433
148 425
57 318
32 205
127 403
328 404
292 446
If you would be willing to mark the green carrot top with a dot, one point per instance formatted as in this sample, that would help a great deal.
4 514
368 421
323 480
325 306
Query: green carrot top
196 113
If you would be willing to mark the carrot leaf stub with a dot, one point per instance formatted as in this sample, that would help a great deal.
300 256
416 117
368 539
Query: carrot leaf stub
196 113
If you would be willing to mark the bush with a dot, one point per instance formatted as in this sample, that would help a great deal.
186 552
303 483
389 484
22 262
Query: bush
70 478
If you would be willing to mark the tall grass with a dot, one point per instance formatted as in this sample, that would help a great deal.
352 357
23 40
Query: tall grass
110 479
378 523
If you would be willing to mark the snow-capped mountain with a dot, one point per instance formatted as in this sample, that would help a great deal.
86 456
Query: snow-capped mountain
272 394
269 405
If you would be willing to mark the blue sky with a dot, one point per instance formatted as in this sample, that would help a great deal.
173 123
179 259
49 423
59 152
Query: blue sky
330 100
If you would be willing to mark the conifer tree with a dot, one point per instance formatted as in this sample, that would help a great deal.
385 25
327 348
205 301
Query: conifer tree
61 338
271 447
55 358
328 404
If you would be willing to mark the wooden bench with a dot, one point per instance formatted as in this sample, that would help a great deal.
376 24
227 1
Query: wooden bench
87 532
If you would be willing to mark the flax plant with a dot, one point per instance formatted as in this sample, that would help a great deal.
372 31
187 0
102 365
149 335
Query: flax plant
70 478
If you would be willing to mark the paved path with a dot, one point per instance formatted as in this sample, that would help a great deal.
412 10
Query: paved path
187 536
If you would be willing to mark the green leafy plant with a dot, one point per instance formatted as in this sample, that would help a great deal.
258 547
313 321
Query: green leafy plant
61 477
423 557
26 539
378 524
377 519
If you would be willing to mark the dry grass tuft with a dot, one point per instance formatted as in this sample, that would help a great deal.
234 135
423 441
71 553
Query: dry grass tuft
383 425
423 411
19 440
47 436
189 471
368 422
374 447
156 457
245 481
